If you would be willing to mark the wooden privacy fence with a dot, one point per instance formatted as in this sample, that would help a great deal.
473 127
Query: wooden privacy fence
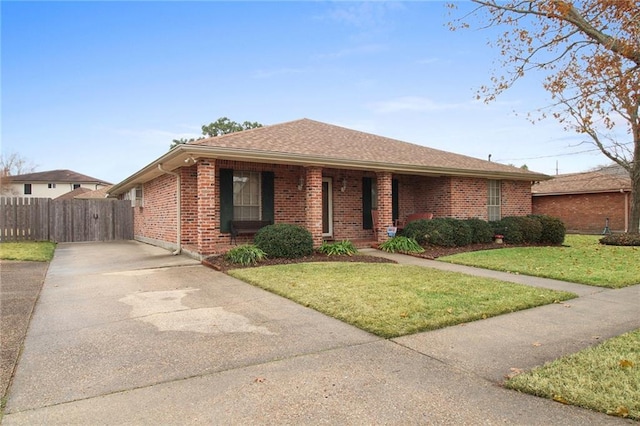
44 219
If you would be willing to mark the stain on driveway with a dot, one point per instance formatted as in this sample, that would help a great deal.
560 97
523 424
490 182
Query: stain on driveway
165 311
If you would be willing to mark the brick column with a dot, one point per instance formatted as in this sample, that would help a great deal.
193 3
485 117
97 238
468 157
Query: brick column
208 216
313 203
385 206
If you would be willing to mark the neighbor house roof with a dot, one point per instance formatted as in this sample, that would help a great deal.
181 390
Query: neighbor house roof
582 183
98 193
72 194
311 143
57 176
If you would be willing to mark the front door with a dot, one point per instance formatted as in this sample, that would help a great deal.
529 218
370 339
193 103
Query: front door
327 208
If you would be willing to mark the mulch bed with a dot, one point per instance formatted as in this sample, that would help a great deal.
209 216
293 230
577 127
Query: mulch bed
219 263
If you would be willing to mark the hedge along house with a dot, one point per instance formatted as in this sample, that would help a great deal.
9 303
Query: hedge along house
325 178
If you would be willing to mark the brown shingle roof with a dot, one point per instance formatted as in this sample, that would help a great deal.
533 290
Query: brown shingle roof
57 176
98 193
582 183
72 194
312 138
307 142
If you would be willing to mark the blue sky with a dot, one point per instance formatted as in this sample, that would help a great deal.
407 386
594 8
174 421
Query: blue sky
103 87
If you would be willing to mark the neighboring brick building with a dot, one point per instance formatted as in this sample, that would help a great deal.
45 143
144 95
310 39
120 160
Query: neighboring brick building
584 201
323 177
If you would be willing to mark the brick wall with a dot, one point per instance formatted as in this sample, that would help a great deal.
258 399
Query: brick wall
586 213
460 197
157 218
516 198
200 219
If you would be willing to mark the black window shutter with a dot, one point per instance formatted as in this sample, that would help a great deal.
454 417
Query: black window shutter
395 204
226 199
367 222
268 196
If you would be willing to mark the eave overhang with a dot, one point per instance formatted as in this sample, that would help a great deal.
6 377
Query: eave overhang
182 155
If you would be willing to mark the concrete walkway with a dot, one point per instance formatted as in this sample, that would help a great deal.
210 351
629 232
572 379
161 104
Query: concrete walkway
125 333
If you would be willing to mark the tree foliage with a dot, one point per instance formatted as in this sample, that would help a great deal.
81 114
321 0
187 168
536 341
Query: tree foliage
220 127
590 55
13 164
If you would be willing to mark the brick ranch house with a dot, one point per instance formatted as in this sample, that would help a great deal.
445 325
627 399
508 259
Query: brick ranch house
584 201
320 176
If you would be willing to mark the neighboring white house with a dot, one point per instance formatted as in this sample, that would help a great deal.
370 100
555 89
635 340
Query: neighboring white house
49 184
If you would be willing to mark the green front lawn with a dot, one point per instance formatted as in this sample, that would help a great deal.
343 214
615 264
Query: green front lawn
604 378
392 300
581 260
39 251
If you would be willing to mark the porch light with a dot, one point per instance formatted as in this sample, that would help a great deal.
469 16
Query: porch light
344 185
300 183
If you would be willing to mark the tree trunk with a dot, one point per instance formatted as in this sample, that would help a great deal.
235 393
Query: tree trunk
634 221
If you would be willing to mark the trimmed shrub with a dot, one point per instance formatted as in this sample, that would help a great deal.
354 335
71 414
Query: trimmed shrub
462 232
284 240
337 249
531 229
626 239
510 228
481 231
401 244
246 254
553 229
445 232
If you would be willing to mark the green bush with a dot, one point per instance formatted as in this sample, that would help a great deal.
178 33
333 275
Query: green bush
553 229
462 232
446 232
427 232
337 249
626 239
481 231
509 227
401 244
284 240
246 254
531 229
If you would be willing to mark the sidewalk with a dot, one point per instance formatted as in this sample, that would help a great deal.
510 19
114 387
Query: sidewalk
527 338
125 333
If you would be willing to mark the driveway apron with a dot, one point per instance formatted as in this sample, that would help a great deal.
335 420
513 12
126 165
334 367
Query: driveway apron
126 333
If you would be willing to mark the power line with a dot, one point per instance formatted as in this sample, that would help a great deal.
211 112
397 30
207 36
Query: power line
547 156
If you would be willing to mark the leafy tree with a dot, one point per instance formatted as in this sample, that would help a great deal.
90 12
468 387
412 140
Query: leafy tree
13 164
220 127
590 55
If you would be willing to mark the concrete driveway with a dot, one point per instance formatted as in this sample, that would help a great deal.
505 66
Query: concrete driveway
126 333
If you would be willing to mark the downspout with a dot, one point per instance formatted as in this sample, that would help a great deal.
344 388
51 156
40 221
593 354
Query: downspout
178 210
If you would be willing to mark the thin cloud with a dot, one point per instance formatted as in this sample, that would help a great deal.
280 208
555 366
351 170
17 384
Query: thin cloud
428 61
277 72
365 49
413 103
363 15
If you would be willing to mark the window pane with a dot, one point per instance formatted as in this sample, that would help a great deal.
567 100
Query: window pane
493 200
246 195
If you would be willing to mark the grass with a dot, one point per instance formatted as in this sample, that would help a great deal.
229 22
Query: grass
581 260
604 378
393 300
39 251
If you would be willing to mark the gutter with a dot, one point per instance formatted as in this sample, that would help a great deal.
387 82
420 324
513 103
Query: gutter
179 155
178 210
